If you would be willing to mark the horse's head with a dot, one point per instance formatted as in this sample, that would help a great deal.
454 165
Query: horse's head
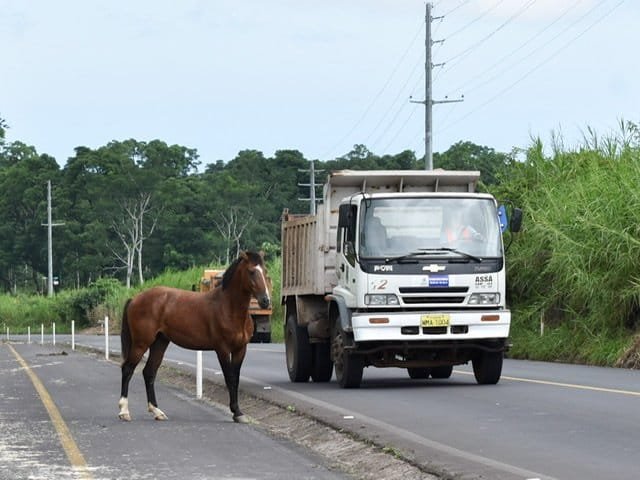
251 269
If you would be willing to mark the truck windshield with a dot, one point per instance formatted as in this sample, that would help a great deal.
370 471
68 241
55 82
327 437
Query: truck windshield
391 227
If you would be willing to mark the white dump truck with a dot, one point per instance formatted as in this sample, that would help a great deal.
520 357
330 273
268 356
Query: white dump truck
397 269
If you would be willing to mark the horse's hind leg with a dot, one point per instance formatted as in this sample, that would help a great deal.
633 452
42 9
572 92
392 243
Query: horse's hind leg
156 353
128 367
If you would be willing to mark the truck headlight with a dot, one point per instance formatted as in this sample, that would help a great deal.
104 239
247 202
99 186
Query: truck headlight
381 299
484 299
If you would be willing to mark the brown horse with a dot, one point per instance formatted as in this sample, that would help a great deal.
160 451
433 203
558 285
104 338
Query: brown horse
216 320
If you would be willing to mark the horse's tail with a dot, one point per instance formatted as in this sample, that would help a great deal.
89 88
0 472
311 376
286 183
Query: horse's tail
125 333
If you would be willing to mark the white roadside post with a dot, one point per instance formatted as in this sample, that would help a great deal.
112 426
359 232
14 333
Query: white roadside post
42 334
199 374
53 330
73 334
29 334
7 334
106 337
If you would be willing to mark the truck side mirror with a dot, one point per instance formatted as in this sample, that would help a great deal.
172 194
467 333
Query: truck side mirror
502 218
516 220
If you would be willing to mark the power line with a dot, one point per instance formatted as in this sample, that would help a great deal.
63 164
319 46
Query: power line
491 68
409 117
461 55
395 102
455 8
536 67
377 96
478 18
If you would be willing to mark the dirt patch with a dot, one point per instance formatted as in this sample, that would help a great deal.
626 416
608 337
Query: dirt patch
343 450
631 357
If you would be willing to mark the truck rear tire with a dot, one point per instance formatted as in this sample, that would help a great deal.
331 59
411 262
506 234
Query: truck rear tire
322 365
260 336
348 367
487 367
298 351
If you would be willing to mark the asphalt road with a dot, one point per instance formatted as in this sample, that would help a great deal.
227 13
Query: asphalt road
542 421
58 420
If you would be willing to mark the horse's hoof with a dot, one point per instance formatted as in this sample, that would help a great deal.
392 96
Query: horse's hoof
240 419
157 413
125 417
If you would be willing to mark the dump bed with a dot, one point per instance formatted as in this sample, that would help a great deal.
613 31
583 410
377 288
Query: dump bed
309 241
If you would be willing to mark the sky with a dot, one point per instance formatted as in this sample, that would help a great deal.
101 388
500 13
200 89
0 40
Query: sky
318 76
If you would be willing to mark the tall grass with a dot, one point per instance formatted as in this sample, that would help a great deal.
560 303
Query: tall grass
575 265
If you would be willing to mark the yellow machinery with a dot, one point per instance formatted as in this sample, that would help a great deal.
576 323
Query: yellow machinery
261 316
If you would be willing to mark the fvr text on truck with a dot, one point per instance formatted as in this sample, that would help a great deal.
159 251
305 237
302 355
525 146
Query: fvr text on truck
397 269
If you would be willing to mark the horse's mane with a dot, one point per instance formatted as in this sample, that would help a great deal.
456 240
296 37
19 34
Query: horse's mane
252 257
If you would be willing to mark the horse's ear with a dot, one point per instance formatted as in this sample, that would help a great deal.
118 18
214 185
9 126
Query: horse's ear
261 253
243 255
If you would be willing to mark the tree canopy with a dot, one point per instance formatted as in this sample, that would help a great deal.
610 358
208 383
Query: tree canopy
132 209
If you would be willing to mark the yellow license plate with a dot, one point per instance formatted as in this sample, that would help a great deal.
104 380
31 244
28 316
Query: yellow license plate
435 320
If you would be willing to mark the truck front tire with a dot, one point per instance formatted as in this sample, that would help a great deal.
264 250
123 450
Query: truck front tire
487 367
348 367
298 351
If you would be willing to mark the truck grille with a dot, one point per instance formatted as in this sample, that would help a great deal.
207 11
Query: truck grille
434 289
417 300
434 295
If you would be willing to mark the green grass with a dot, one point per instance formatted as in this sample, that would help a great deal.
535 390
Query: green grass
574 266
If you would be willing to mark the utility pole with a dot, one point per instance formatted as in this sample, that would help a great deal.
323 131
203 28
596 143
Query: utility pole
428 102
50 225
312 188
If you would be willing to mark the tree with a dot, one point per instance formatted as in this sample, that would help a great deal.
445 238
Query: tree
23 178
131 231
232 226
469 156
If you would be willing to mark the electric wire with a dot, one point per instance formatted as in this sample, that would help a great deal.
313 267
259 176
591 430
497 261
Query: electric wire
533 69
456 8
491 68
478 18
395 101
463 54
402 127
377 96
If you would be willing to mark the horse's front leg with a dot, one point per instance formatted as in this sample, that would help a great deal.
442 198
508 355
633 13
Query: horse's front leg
231 363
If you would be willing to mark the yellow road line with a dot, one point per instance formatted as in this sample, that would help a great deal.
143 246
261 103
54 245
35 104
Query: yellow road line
66 439
565 385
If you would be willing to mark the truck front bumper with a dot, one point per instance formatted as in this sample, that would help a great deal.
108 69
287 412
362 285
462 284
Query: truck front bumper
420 326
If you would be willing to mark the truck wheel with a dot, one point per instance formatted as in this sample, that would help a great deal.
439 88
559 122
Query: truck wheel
348 367
298 351
418 373
260 336
322 364
443 371
487 367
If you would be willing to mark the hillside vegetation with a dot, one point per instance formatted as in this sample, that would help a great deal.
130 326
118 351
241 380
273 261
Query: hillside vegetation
573 271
